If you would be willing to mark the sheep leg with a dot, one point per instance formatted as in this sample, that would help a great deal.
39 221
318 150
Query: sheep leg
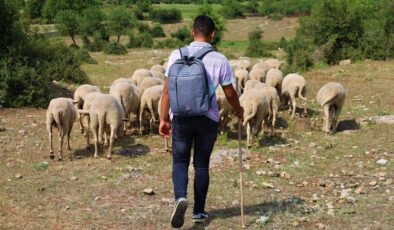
81 123
106 140
111 142
51 152
94 128
87 131
249 134
68 140
140 117
273 121
326 118
61 138
294 105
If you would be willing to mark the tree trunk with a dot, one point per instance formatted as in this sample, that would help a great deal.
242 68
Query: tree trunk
73 38
118 39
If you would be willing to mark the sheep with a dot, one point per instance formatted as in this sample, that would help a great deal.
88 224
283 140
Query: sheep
106 118
256 110
244 64
252 84
149 82
157 74
274 79
86 106
150 99
273 99
261 65
225 109
139 75
128 96
165 65
331 98
122 80
293 86
273 63
62 114
258 74
158 68
79 96
242 76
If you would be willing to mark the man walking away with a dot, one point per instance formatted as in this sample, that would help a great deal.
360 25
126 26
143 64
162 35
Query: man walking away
193 74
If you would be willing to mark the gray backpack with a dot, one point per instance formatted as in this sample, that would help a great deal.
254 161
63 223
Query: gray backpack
188 88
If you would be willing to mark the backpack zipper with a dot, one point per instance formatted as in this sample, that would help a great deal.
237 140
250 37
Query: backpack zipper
176 89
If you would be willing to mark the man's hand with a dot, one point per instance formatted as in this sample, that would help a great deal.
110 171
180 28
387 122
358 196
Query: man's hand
165 128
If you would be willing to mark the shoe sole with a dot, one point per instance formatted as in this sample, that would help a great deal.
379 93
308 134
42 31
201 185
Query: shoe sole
178 216
200 221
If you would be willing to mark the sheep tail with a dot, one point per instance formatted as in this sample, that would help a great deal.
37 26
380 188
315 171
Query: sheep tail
300 90
250 116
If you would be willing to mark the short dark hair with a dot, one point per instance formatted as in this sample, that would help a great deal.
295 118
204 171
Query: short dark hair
203 25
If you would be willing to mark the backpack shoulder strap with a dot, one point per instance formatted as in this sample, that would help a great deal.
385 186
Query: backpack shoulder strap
202 52
184 52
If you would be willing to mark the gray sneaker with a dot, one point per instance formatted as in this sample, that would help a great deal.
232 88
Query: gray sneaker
178 216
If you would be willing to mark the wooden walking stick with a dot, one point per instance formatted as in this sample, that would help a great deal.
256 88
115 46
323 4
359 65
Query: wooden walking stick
241 169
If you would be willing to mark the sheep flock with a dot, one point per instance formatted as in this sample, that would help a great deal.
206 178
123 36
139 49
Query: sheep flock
134 102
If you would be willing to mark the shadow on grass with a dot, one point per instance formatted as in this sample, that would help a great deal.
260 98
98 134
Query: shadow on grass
128 148
271 140
264 208
350 124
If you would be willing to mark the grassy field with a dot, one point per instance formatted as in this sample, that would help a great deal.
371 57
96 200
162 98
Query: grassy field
86 193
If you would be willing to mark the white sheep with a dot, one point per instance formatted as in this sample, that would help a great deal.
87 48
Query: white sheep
252 84
149 82
128 96
79 96
331 98
225 109
345 62
106 119
274 102
256 110
62 114
158 68
150 100
242 76
261 65
86 106
244 64
122 80
157 74
274 79
165 65
139 75
273 63
293 86
258 74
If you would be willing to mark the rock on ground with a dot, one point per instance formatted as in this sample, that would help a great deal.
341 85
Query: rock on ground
389 119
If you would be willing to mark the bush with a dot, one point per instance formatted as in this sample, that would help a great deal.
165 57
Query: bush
168 43
115 48
183 34
141 40
255 47
231 9
85 57
157 31
166 16
141 9
279 8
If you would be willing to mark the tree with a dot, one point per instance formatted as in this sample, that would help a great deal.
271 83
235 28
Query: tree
67 22
92 22
207 10
34 8
53 7
120 21
255 47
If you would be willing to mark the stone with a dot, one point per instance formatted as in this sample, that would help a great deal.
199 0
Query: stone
262 220
22 132
267 185
389 119
149 191
381 162
18 176
167 200
247 166
103 177
373 183
360 190
312 145
350 199
320 226
73 178
285 175
315 197
259 173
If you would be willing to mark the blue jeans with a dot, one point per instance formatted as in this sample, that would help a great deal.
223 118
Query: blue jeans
186 131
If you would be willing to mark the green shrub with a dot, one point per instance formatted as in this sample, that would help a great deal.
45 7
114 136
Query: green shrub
115 48
157 31
85 57
141 40
141 9
232 9
165 16
168 43
255 47
183 34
